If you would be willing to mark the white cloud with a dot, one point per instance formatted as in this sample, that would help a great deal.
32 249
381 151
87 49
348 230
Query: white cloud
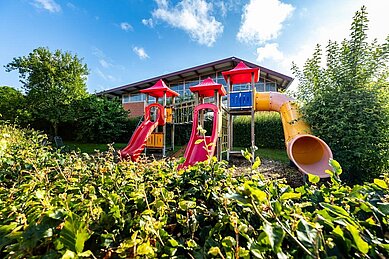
335 27
262 20
222 8
148 22
105 63
269 51
125 26
106 77
140 52
49 5
192 16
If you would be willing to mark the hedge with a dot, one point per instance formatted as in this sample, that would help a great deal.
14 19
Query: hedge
268 131
73 205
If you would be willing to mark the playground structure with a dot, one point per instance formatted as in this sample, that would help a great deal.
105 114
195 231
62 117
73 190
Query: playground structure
309 153
146 134
202 146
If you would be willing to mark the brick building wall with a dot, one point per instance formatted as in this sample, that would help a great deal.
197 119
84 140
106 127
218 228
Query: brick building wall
136 108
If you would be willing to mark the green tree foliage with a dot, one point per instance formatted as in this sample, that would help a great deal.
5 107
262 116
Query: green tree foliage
99 120
51 82
12 105
346 101
73 205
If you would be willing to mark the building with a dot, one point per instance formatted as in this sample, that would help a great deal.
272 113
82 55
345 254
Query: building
180 82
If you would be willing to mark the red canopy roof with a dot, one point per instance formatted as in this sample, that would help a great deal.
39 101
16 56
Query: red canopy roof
241 74
207 88
159 89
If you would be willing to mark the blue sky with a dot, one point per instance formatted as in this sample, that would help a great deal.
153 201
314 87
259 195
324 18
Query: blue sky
125 41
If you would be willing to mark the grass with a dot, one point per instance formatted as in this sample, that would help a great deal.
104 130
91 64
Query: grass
267 153
90 148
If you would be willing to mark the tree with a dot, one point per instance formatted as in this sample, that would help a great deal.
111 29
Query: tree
99 120
346 101
51 81
12 105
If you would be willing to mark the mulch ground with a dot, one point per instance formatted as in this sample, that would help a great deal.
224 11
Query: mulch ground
270 169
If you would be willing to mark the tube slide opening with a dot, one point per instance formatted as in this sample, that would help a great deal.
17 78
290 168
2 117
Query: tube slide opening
310 154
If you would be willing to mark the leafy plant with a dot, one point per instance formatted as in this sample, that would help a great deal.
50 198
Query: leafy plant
99 120
72 205
346 101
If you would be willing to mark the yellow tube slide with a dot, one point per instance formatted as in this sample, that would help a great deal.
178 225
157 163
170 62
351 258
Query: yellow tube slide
309 153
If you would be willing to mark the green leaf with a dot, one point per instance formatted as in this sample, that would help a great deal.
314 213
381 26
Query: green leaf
362 246
246 154
381 183
334 209
69 255
191 243
336 166
383 207
229 242
313 178
256 164
198 141
259 195
214 251
74 234
275 234
173 242
185 205
145 249
338 231
290 195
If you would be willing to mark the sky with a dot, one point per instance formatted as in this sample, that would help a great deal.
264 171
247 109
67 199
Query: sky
126 41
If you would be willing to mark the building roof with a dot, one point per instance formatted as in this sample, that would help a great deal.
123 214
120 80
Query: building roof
282 80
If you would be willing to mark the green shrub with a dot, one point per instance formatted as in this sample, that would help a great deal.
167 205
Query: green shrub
99 120
13 106
56 204
346 101
268 131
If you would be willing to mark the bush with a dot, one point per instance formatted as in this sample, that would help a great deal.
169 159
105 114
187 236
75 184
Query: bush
268 131
55 204
346 101
99 120
355 125
13 106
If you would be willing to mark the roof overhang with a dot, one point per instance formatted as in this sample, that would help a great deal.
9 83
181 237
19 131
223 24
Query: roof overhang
192 73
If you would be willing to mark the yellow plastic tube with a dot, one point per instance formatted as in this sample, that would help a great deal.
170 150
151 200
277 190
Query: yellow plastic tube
309 153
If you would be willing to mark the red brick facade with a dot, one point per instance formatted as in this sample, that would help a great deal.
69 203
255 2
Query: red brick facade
136 108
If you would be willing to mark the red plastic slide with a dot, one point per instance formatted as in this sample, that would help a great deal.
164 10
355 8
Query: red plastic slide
199 148
138 140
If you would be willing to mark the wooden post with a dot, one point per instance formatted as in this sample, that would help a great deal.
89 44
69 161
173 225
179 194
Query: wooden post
218 142
164 126
173 124
252 117
229 119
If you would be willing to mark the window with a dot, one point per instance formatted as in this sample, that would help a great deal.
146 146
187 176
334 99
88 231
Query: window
221 80
179 88
271 87
260 87
241 87
125 98
136 98
188 84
